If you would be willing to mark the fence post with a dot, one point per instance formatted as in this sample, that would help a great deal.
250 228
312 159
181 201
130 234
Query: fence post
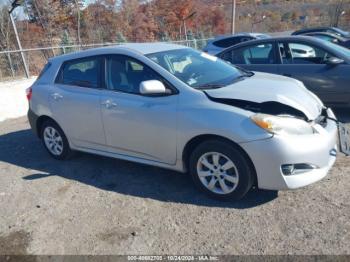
19 46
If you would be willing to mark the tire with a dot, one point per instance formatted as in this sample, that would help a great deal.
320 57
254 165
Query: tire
237 175
59 148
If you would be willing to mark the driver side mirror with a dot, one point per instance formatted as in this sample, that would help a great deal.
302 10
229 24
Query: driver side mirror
152 87
334 61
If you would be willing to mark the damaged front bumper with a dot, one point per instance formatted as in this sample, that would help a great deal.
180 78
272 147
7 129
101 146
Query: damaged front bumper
317 152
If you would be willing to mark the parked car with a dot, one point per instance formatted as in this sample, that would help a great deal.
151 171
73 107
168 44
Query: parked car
302 51
332 30
173 107
218 44
324 68
336 39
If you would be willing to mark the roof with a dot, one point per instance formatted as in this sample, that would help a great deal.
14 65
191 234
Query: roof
238 35
324 33
149 48
288 38
141 48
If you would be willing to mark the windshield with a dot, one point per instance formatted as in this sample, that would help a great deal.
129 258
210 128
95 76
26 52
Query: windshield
196 69
344 51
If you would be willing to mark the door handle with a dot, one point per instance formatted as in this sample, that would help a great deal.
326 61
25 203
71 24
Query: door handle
56 96
109 104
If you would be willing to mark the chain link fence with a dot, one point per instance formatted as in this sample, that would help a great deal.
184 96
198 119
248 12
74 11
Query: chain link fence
12 67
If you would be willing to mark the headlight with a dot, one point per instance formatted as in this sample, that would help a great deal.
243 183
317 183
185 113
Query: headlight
282 125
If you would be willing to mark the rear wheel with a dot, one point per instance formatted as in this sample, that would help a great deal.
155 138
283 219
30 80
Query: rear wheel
221 170
54 140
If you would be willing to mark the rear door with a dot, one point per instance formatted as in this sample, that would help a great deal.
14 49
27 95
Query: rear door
307 63
255 57
75 101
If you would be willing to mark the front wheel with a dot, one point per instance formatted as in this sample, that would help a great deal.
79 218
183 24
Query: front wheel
55 141
221 170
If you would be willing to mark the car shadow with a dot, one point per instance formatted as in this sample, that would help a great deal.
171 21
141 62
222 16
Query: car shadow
24 149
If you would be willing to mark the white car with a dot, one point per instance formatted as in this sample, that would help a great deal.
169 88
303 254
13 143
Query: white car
177 108
299 50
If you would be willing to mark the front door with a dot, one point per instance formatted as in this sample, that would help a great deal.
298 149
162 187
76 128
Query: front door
137 125
307 63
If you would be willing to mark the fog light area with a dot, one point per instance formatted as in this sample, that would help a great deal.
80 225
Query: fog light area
294 169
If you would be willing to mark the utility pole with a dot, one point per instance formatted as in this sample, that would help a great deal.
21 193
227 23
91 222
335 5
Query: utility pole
184 24
78 22
233 17
14 5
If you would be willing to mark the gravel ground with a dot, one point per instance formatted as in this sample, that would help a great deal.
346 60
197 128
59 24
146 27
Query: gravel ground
97 205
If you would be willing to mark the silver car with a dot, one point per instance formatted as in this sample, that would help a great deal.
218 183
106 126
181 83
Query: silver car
177 108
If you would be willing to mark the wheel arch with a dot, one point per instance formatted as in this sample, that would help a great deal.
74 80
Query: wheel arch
195 141
40 121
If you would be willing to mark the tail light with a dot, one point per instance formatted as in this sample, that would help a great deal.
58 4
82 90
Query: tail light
29 93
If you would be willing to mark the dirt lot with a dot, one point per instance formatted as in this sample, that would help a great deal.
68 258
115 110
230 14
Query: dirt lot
97 205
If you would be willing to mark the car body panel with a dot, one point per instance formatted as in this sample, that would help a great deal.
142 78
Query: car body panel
141 126
333 30
156 130
264 87
78 112
304 149
333 38
213 46
329 82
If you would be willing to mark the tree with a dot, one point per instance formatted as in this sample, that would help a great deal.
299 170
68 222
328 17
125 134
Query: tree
6 40
335 12
120 38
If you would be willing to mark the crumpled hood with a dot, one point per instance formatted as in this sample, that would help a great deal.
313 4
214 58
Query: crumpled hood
263 88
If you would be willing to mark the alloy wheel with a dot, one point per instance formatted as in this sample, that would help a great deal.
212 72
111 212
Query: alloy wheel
217 173
53 141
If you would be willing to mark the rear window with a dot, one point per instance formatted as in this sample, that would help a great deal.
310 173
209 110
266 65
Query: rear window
82 72
227 42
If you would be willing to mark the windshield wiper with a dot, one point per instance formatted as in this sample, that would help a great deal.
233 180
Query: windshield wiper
209 86
248 73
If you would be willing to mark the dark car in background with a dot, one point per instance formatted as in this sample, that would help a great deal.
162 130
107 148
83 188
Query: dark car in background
336 39
219 43
322 66
332 30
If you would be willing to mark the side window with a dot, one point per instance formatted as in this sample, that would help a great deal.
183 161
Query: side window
307 54
125 74
227 42
256 54
83 72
